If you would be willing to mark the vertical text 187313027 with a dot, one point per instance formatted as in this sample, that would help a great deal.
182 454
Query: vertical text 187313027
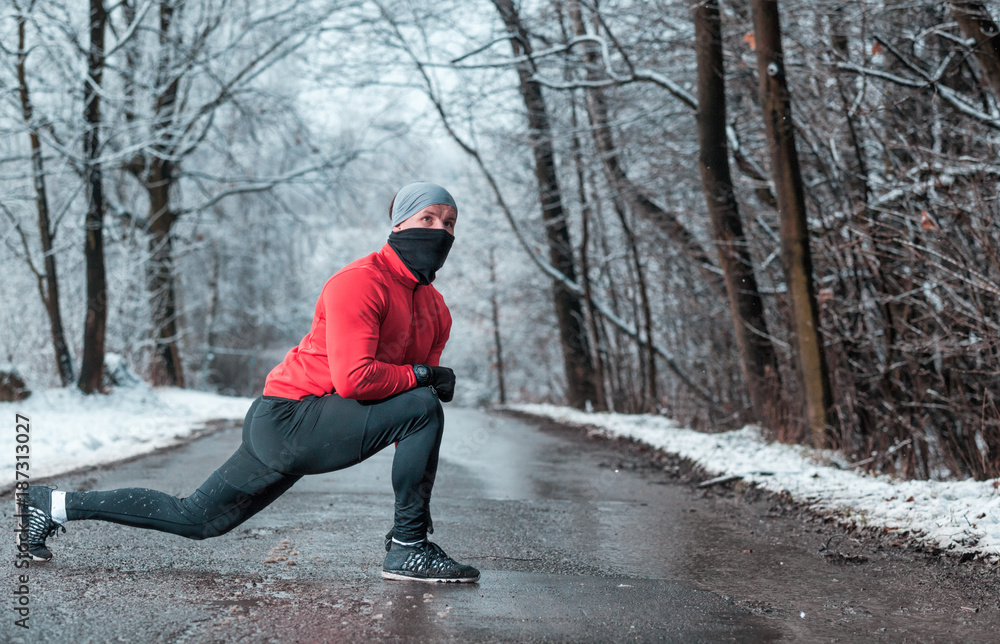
22 467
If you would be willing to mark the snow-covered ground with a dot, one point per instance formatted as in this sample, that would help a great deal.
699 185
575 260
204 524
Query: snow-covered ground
69 430
959 516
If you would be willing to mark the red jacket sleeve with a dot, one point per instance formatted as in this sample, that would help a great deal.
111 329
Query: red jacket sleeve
353 304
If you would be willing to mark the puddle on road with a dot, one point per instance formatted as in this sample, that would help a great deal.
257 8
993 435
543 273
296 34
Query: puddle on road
243 603
525 606
506 606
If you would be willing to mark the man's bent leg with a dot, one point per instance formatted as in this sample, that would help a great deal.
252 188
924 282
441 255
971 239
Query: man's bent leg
328 433
414 466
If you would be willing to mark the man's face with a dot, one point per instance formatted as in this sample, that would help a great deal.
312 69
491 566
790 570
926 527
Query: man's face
436 216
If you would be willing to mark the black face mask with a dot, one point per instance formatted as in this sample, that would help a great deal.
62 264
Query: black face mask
423 250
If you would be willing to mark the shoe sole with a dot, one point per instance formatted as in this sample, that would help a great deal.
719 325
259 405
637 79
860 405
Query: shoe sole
430 580
17 523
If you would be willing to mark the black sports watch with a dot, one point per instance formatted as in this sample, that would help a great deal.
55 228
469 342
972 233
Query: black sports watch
423 373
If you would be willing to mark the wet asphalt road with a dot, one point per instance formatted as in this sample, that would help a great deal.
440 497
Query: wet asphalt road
574 542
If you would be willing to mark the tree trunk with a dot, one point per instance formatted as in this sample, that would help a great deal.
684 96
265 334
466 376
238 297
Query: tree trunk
92 367
795 253
155 170
648 400
48 283
576 150
621 184
495 318
623 191
166 368
866 275
208 354
600 400
978 25
857 169
580 386
757 355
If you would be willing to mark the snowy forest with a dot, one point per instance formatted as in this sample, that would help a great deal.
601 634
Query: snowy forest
721 211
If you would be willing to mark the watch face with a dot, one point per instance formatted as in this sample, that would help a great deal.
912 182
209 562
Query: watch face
422 373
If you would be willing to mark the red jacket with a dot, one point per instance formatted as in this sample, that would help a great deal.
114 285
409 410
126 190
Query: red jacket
372 323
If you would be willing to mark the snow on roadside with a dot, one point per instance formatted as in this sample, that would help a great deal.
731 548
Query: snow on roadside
70 430
959 516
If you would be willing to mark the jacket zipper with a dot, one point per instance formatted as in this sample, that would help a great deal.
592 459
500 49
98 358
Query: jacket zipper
409 333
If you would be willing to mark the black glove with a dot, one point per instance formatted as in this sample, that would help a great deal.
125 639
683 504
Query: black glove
440 379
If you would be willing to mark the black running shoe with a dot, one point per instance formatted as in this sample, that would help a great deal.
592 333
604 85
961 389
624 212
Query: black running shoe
425 561
36 516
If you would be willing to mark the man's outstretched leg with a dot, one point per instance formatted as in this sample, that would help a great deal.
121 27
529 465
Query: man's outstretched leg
232 494
236 491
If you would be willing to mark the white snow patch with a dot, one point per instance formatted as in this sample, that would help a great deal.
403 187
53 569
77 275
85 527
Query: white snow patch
69 430
959 516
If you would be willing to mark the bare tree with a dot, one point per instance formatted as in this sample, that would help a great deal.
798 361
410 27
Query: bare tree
46 276
495 321
190 86
625 189
757 355
569 311
95 324
600 400
795 252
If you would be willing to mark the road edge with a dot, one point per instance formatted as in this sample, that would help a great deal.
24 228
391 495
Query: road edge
693 475
203 430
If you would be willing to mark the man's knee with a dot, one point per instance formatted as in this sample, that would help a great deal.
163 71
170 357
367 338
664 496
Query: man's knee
208 528
431 408
213 517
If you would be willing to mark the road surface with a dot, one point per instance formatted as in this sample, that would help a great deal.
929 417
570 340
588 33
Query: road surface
578 540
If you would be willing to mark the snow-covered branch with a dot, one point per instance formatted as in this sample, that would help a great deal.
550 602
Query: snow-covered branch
613 78
952 97
254 184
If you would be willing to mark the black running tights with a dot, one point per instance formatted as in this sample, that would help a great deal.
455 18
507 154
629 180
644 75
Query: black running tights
282 441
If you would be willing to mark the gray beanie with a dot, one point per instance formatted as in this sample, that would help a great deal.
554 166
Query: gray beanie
414 197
